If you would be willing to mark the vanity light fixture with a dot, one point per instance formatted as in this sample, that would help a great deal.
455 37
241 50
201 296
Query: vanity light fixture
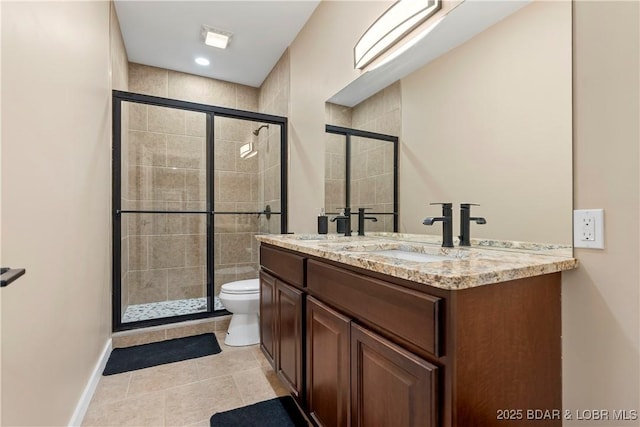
215 37
394 24
406 46
202 61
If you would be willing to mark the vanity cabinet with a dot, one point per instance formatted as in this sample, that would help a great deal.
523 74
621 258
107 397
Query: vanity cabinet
289 343
328 343
281 316
356 377
268 316
389 385
370 349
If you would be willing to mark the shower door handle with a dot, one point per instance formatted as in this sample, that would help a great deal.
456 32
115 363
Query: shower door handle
9 275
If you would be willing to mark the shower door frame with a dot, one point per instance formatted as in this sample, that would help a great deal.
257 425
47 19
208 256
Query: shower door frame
348 133
211 112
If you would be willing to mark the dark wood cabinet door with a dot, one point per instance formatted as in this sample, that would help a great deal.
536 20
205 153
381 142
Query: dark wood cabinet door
268 316
327 365
289 340
389 385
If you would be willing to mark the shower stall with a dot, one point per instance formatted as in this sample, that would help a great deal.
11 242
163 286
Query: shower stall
192 186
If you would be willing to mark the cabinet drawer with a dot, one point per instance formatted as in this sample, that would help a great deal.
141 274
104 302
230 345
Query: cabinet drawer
285 265
412 316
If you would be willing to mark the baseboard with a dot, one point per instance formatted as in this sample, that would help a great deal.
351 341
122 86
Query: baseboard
87 394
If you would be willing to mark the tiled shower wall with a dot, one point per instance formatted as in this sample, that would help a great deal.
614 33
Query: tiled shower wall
273 99
335 158
371 160
165 159
167 253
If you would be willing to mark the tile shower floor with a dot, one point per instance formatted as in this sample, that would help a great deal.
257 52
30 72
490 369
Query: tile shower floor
155 310
185 393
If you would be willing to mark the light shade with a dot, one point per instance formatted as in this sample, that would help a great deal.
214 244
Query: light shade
398 21
216 38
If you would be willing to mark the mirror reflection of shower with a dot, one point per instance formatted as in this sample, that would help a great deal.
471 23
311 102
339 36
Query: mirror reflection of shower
250 149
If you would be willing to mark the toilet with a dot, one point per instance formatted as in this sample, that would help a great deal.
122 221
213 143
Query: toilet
242 299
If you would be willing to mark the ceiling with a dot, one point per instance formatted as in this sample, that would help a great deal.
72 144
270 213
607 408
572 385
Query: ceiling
168 34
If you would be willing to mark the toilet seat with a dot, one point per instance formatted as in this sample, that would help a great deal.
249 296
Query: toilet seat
240 287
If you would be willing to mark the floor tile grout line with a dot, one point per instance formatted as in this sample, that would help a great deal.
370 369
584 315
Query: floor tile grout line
164 407
192 383
244 402
96 403
126 393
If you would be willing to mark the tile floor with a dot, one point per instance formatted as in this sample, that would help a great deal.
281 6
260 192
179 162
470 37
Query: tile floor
185 393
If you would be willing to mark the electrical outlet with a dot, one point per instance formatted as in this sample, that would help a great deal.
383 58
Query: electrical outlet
588 228
588 231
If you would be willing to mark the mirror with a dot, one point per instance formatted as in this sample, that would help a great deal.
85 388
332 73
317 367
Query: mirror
361 173
489 122
361 159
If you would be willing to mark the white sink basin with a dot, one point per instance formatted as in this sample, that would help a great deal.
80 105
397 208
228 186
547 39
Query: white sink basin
410 256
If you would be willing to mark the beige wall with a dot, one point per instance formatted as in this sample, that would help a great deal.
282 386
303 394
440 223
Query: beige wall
321 64
601 357
490 123
56 176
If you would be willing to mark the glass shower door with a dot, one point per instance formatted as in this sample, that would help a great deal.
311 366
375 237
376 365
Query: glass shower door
192 186
163 212
247 195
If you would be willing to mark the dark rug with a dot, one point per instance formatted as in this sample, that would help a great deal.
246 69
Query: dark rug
279 412
158 353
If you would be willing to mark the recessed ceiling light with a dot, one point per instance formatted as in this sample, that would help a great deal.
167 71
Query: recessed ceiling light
202 61
216 38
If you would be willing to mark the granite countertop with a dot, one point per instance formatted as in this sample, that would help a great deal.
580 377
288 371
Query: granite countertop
420 258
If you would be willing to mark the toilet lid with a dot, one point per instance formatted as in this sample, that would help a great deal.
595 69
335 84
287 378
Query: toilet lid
249 286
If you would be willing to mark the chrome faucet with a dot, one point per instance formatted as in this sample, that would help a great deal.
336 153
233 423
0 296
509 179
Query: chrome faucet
465 221
447 223
362 218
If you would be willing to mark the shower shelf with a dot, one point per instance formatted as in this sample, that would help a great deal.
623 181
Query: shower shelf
9 275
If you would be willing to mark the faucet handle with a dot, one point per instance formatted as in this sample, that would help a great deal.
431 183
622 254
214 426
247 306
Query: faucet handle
447 209
363 209
468 205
